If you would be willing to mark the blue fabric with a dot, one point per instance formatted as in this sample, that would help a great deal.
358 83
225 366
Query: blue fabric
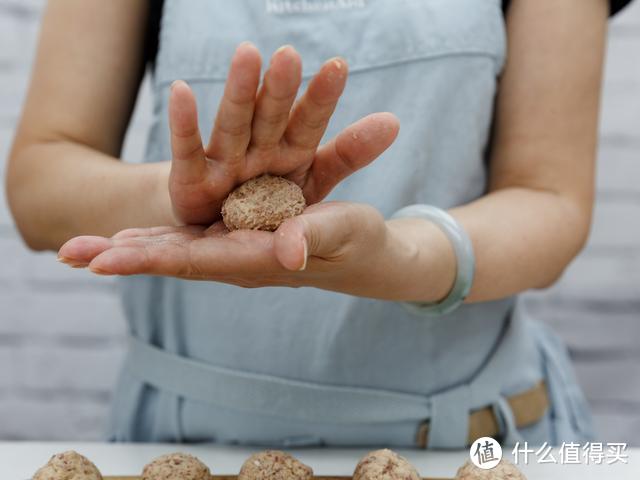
434 63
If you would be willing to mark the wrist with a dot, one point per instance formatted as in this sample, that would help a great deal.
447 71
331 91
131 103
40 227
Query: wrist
423 259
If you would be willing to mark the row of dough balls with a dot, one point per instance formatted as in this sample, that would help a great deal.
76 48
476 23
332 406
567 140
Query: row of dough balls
267 465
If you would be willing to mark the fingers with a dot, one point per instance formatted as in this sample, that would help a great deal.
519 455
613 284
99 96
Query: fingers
143 257
232 129
213 257
322 230
353 148
276 96
326 233
149 231
141 250
79 251
188 162
291 247
311 114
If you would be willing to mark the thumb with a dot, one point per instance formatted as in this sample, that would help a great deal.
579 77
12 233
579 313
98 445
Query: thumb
320 231
352 149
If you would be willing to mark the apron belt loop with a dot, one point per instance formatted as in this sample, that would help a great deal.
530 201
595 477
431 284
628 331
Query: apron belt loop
449 423
502 418
507 421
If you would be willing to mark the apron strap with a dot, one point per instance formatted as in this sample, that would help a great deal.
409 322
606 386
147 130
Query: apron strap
446 412
246 391
449 424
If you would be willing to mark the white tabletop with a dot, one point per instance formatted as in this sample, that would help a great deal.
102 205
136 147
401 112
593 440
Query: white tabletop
19 460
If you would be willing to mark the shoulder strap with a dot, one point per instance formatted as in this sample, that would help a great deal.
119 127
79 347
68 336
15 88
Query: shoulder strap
153 32
614 5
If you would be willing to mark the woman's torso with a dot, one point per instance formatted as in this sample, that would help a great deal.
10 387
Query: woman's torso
434 63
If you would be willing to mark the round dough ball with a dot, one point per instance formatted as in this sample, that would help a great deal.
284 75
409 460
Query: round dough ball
385 465
262 203
505 470
274 465
68 466
176 466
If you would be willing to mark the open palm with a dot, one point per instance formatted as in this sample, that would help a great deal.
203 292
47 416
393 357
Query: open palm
336 246
262 129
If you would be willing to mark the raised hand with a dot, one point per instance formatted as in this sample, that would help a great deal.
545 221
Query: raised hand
259 129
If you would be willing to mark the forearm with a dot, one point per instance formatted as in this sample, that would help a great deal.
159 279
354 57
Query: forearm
522 239
58 190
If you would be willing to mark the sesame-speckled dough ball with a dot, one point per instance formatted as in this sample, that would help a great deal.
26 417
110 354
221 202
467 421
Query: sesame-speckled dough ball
274 465
68 466
176 466
505 470
385 465
262 203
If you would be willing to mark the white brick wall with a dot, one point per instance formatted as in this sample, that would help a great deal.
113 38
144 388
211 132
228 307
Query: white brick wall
54 319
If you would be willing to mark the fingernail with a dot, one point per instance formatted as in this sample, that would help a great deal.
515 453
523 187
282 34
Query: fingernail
70 263
98 271
339 62
283 48
278 51
244 44
305 250
175 83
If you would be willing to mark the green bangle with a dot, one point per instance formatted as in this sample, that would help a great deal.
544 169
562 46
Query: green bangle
465 259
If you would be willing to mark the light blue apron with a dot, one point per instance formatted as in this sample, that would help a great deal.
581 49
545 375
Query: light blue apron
285 367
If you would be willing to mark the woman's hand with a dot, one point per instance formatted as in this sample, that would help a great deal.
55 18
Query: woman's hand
344 247
336 246
262 131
